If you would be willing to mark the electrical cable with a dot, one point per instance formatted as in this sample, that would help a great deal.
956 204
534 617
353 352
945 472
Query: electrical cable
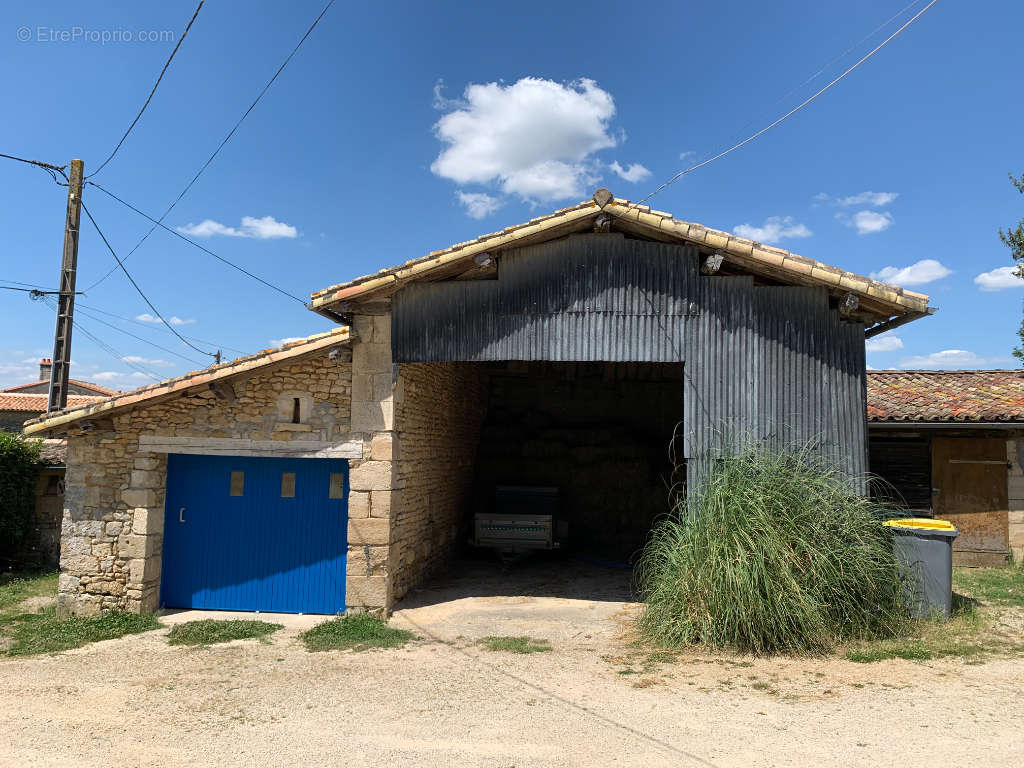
827 66
90 315
221 145
786 116
38 163
27 285
80 305
145 298
52 303
150 97
203 248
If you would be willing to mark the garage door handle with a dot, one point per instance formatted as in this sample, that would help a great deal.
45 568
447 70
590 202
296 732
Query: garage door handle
181 515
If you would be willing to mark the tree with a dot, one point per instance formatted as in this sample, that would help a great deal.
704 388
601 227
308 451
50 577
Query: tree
1014 240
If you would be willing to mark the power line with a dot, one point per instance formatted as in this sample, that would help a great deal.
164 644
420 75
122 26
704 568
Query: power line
145 298
827 66
51 169
786 116
27 285
37 163
108 348
221 145
150 326
138 338
150 97
176 233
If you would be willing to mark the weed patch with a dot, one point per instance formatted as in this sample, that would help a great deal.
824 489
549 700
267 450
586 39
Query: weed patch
520 644
357 633
211 631
17 587
33 633
994 586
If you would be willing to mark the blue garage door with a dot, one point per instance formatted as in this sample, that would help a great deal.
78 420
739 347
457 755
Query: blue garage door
254 534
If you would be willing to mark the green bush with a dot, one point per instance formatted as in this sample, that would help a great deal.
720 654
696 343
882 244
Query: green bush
19 468
777 554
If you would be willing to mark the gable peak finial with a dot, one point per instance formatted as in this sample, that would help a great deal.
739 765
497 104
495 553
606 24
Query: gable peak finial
602 197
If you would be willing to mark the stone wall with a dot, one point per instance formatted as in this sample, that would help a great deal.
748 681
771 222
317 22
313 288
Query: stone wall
368 581
44 545
438 411
112 528
12 421
1015 495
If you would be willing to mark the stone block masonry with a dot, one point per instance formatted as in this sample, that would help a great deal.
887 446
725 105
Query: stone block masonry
439 408
1015 488
113 517
421 425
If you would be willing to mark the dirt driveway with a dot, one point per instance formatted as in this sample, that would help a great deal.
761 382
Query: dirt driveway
445 700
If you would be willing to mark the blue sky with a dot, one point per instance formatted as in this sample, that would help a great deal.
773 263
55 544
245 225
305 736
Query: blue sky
400 128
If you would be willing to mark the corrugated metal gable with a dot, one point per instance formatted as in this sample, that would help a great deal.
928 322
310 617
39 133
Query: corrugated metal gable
772 363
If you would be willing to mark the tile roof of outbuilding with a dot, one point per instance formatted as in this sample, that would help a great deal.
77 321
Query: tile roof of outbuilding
204 377
14 401
946 396
747 254
99 390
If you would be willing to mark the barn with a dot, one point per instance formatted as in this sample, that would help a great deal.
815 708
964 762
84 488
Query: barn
587 360
950 444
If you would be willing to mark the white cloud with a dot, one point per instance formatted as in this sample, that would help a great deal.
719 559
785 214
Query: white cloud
264 228
999 278
534 138
286 340
687 155
952 359
145 317
478 204
634 173
884 343
441 102
121 379
868 222
774 229
875 199
144 360
918 273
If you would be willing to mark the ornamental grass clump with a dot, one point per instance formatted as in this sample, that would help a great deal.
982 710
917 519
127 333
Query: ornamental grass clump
777 554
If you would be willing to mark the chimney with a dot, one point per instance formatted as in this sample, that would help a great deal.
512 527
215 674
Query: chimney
45 366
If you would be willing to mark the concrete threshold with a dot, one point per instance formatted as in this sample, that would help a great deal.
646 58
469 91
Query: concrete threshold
294 621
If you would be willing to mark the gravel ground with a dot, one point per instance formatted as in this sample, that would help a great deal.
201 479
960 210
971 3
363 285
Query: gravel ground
444 700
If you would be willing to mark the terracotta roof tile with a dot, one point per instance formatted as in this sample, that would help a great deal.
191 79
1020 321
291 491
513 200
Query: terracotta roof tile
99 390
946 396
14 401
101 406
746 253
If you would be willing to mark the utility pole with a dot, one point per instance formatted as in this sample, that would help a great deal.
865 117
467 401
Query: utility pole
66 298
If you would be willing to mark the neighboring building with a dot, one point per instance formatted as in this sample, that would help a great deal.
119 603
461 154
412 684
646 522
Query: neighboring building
568 352
951 443
27 401
18 405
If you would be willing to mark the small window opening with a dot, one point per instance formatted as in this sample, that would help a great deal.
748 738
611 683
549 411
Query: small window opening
296 411
237 483
287 485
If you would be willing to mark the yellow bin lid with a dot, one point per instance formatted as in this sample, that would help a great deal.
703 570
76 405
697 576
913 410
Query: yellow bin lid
921 523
